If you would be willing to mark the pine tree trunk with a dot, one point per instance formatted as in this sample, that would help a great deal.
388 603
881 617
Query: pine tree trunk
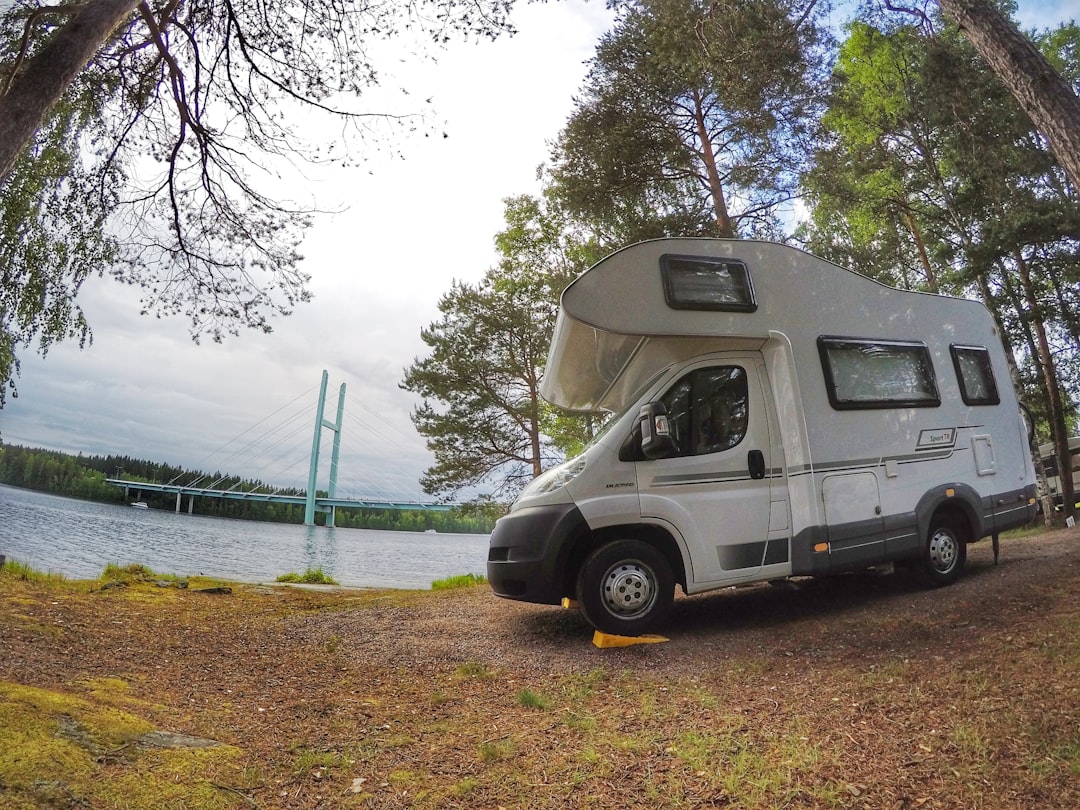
1033 352
1058 428
724 225
1042 93
916 235
42 80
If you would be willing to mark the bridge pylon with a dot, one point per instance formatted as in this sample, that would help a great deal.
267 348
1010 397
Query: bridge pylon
313 470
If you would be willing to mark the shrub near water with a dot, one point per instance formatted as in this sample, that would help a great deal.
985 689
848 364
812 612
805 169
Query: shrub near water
18 570
460 581
312 576
128 573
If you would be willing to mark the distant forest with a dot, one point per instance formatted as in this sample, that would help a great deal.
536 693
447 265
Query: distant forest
85 477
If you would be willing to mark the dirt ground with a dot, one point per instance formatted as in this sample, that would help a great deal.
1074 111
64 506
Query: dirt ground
856 691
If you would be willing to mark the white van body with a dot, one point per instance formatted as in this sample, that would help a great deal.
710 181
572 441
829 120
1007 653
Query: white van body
813 421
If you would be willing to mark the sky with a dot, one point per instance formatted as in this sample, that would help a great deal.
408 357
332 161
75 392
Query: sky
407 228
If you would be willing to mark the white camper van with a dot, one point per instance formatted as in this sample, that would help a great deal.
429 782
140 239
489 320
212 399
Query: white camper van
775 415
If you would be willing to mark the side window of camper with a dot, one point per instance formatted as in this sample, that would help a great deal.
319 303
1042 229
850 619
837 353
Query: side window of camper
708 410
975 375
863 373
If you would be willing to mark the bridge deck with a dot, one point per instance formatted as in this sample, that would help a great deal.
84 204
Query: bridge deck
267 497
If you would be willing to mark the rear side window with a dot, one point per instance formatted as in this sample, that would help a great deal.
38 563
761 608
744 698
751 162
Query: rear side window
696 282
975 375
861 373
708 410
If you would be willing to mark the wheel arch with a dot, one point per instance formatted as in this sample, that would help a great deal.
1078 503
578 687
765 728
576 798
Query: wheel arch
958 505
585 542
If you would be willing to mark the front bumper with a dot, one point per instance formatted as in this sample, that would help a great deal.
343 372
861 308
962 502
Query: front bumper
529 552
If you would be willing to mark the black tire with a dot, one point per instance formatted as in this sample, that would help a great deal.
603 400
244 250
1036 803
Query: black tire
944 555
626 588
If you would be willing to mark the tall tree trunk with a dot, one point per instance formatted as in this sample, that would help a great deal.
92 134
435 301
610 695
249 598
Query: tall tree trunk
42 80
1066 313
916 235
1039 89
1014 371
1058 429
724 225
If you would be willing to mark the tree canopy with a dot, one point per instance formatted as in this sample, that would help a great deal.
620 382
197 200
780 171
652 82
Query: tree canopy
150 140
1040 90
683 128
924 171
482 414
932 177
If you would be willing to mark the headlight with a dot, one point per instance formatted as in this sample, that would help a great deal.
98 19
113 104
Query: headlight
554 478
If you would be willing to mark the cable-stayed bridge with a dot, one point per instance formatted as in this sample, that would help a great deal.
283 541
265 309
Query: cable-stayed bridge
312 501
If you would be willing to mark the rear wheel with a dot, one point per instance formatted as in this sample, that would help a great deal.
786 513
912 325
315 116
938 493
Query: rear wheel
626 588
943 556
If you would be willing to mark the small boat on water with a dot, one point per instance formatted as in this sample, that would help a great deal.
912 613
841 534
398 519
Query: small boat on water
140 504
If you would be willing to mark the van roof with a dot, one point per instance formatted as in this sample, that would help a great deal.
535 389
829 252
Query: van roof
620 321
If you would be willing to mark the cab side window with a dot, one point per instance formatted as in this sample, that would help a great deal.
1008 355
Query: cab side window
708 410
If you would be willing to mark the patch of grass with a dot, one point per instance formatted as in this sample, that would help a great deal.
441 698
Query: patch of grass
1031 530
581 687
128 573
494 750
762 769
22 571
309 760
459 581
1055 752
312 576
465 786
974 750
887 674
532 700
473 669
579 722
403 777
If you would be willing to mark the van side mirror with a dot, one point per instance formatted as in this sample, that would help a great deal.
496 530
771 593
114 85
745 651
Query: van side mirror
656 438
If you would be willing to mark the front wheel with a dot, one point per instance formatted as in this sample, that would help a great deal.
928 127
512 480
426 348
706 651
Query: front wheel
625 588
944 555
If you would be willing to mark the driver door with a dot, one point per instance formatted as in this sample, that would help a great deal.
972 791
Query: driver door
717 489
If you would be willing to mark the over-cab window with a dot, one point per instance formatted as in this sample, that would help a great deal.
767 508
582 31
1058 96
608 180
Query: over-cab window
976 377
708 410
696 282
862 373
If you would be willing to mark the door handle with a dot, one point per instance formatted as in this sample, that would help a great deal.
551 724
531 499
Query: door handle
755 459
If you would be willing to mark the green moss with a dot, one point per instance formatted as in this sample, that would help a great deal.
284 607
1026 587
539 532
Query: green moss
64 750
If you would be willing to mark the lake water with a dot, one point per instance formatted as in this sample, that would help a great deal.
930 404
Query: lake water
79 538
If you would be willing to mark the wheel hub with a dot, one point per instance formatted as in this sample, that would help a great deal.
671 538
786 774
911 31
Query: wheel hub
942 551
629 588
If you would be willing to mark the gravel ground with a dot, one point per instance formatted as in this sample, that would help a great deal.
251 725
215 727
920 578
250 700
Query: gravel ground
855 691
